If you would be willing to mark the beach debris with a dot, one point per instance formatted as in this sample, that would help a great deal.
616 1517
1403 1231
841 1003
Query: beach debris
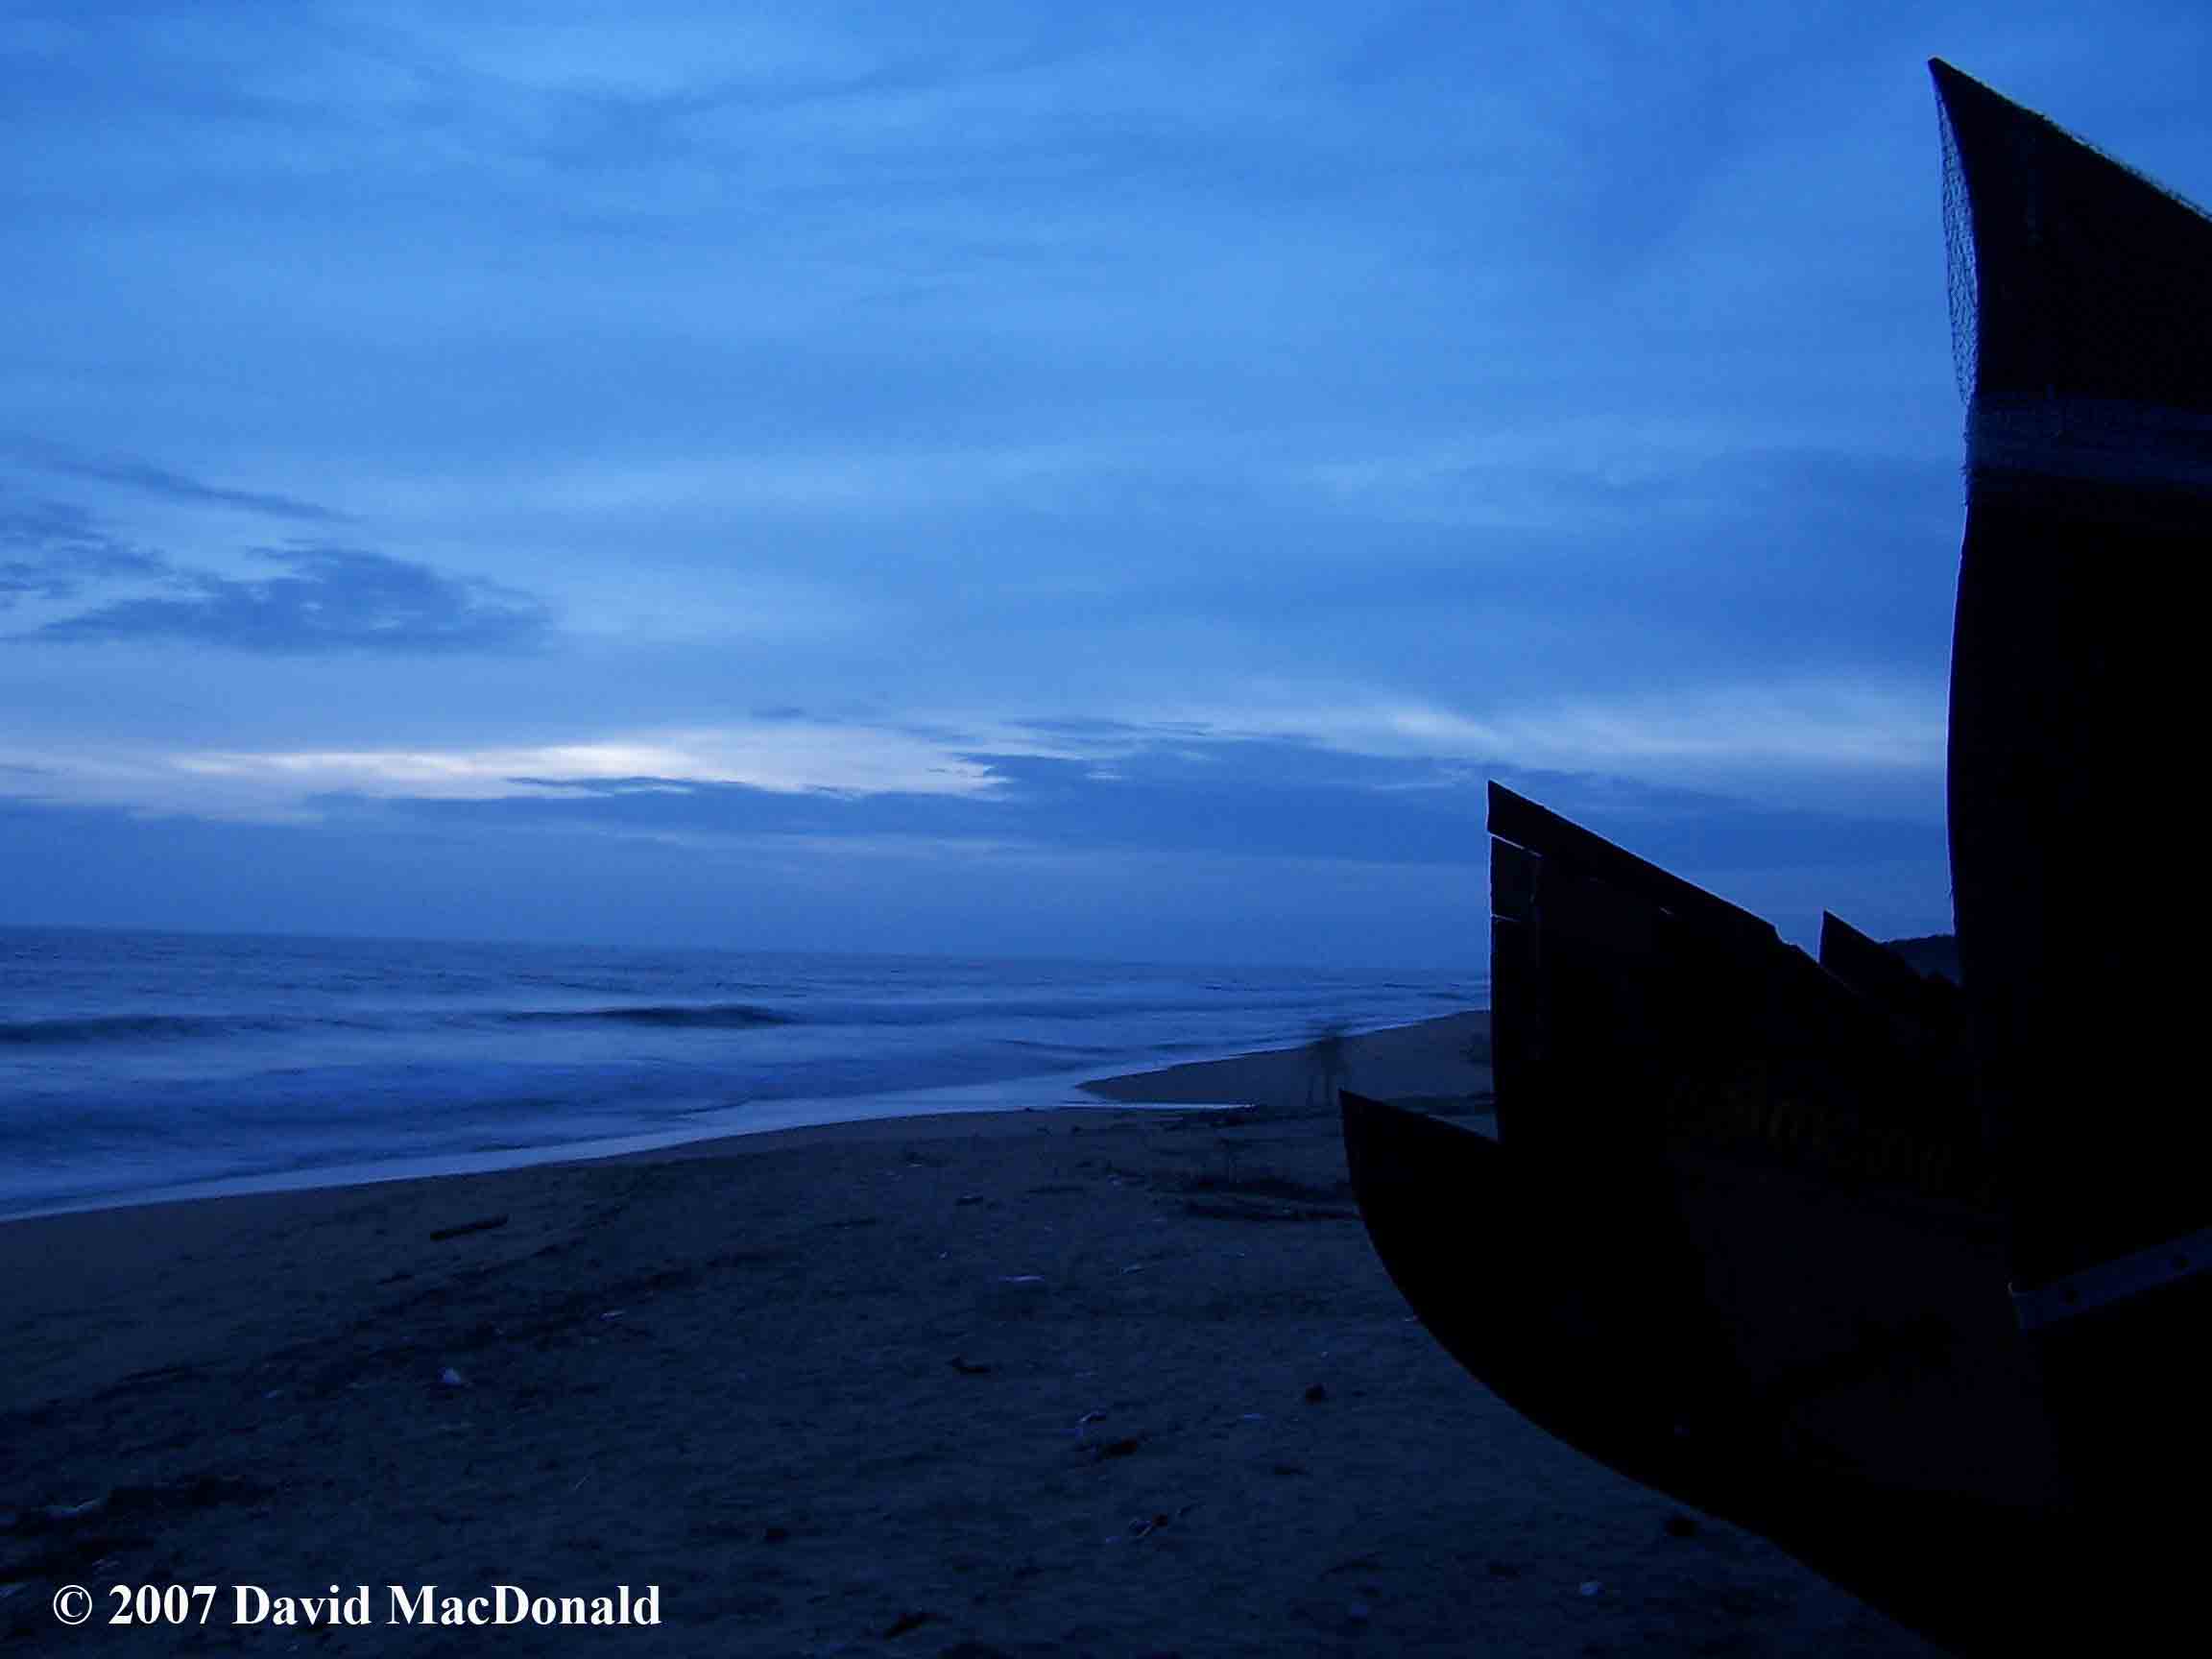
1143 1526
1022 1279
161 1374
452 1379
969 1199
1253 1417
200 1492
1316 1394
1590 1587
1084 1422
614 1313
904 1622
1250 1211
439 1235
966 1369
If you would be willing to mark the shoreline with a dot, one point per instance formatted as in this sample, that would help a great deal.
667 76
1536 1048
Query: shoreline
1262 1072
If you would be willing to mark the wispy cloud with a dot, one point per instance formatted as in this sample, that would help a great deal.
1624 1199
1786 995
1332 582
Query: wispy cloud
328 599
51 550
146 478
1854 725
777 757
325 598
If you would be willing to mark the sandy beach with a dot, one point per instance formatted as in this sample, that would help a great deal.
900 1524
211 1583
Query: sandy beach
1109 1381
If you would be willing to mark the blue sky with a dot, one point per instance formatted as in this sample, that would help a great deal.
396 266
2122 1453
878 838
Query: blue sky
1092 480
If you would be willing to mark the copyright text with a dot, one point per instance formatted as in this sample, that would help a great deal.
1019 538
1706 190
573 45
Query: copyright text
248 1604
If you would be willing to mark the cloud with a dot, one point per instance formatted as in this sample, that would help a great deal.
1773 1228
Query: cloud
328 599
1868 746
776 758
1870 742
149 479
1168 794
49 550
1159 823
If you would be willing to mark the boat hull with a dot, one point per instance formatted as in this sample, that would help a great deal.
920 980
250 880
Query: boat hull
1735 1238
1909 1278
2076 689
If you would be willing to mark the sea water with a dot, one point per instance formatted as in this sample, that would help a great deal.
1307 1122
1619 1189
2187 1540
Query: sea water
156 1065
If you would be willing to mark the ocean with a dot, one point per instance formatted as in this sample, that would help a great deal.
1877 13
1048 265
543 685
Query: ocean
136 1065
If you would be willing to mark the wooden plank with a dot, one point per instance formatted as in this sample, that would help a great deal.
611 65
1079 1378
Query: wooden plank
1513 878
1517 819
1516 1029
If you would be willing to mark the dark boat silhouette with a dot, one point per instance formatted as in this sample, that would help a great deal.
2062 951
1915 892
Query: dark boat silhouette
1898 1273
